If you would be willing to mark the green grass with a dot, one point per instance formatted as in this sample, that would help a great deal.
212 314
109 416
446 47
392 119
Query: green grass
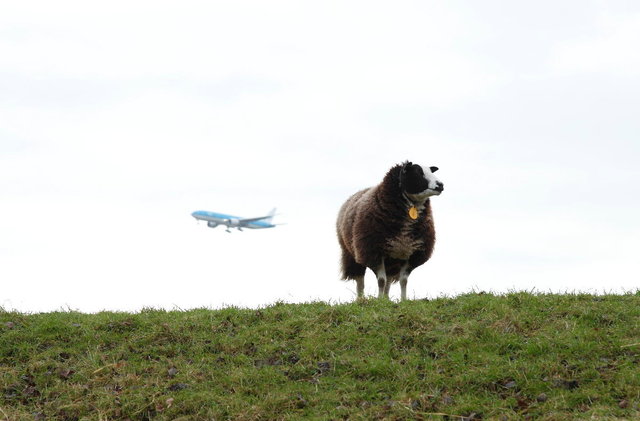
477 356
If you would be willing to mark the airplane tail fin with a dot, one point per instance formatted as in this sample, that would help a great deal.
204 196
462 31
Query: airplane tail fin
271 215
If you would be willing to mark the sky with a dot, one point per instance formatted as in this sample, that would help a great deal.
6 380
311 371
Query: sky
118 119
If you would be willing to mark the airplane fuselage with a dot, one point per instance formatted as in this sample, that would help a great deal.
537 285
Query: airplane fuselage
214 219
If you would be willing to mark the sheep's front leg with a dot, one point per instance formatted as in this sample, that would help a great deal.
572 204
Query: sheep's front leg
381 274
404 277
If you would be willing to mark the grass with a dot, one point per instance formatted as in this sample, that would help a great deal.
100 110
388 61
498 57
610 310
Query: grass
476 356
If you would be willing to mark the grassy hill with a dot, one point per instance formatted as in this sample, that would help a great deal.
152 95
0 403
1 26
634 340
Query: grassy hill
477 356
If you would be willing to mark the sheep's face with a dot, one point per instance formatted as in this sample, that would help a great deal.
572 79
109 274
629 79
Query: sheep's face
419 182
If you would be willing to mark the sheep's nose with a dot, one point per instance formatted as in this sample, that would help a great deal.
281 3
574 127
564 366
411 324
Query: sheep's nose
439 186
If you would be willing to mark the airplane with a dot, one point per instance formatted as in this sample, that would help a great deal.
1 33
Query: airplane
214 219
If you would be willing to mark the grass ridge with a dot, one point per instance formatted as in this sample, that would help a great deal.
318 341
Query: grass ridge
476 356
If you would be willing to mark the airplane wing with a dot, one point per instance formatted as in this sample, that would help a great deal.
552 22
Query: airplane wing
248 220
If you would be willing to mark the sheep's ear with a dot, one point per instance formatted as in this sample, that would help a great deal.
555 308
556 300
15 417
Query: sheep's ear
433 169
403 171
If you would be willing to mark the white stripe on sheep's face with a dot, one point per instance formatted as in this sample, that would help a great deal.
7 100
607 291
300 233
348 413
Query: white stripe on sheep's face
419 182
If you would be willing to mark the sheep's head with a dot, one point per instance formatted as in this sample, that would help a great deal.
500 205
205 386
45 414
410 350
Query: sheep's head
419 182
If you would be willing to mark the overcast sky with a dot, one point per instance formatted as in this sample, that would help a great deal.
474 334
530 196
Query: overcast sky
120 118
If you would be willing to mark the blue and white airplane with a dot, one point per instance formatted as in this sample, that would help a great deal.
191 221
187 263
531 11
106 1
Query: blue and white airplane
214 219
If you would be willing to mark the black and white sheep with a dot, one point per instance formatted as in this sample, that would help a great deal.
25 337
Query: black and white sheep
389 228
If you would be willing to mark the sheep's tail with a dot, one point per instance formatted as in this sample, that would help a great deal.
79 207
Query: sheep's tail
349 268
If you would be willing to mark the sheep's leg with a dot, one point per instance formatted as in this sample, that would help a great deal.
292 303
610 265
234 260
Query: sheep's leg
403 289
387 287
381 274
353 270
404 277
360 286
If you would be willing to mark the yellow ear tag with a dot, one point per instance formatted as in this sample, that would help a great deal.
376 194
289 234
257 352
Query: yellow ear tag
413 212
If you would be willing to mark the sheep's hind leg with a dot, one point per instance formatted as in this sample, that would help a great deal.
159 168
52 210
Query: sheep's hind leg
387 287
360 286
353 270
381 274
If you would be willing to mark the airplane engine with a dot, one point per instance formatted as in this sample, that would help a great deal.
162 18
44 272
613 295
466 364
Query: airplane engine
212 224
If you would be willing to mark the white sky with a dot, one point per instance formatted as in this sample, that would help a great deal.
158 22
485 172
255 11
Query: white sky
120 118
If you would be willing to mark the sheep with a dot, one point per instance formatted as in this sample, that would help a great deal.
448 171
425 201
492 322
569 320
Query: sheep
389 228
